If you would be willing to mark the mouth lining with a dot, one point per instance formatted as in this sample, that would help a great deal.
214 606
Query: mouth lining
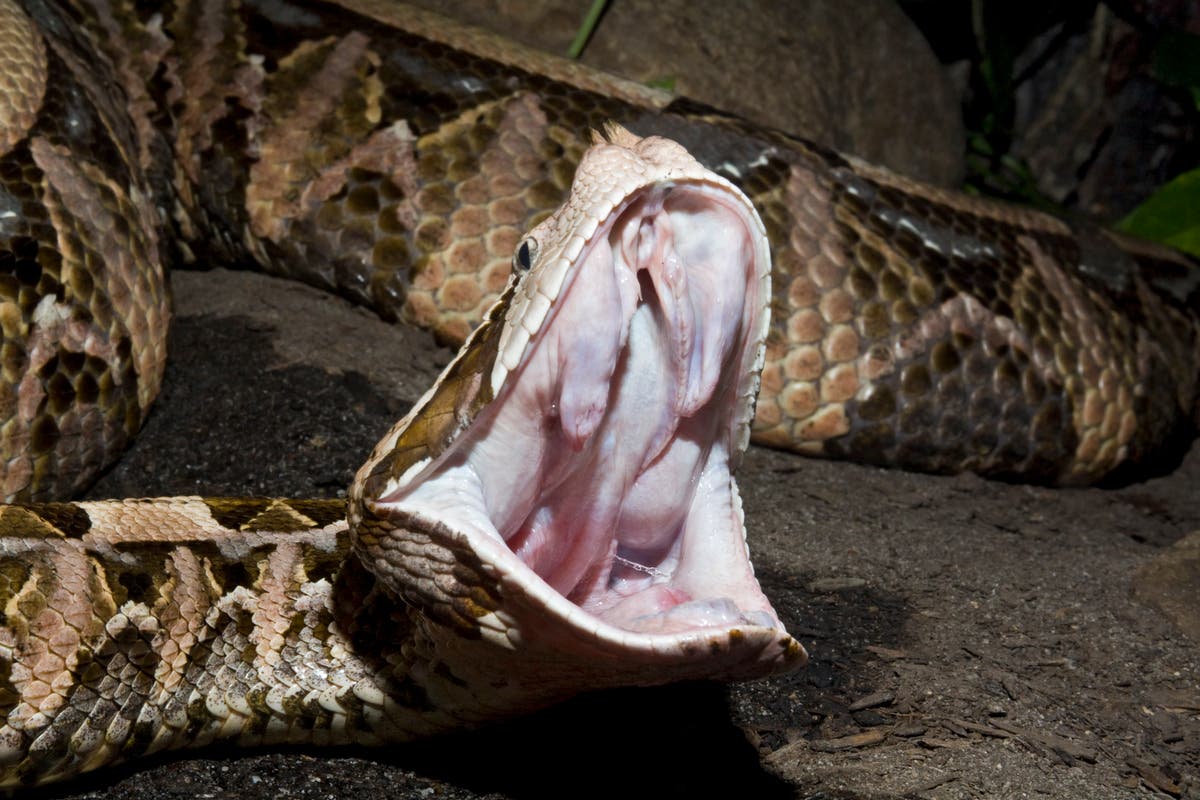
598 479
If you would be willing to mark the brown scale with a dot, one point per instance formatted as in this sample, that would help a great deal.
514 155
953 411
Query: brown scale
921 329
79 408
28 271
117 676
941 407
436 245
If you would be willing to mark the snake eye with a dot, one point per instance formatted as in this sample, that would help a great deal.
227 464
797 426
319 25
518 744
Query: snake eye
526 253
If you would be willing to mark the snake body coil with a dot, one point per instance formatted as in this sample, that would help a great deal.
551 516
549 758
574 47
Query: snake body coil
358 151
399 160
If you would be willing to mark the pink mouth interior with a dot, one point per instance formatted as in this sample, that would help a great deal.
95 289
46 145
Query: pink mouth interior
604 461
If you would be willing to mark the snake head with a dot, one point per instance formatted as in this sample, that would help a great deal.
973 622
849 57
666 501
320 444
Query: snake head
560 506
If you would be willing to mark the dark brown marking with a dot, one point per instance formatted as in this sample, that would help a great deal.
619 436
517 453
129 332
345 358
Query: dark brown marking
26 522
68 518
234 512
278 517
321 512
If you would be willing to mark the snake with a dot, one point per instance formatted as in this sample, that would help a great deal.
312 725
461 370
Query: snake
558 511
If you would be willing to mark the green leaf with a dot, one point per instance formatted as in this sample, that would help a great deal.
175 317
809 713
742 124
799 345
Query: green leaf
586 29
1171 215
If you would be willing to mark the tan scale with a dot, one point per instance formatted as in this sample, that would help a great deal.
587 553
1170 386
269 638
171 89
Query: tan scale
22 75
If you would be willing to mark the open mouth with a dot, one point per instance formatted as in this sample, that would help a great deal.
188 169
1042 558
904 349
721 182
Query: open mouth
598 479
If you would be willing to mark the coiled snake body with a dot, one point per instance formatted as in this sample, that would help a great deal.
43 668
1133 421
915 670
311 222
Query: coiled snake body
361 152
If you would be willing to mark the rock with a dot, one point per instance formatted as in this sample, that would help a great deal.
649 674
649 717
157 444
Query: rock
846 79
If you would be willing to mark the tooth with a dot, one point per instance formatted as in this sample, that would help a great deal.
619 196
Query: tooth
590 346
580 419
586 376
716 292
671 284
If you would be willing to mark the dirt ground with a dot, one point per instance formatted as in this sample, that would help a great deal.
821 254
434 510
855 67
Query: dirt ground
968 638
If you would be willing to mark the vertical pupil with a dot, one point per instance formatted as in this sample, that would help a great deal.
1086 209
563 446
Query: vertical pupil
523 255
